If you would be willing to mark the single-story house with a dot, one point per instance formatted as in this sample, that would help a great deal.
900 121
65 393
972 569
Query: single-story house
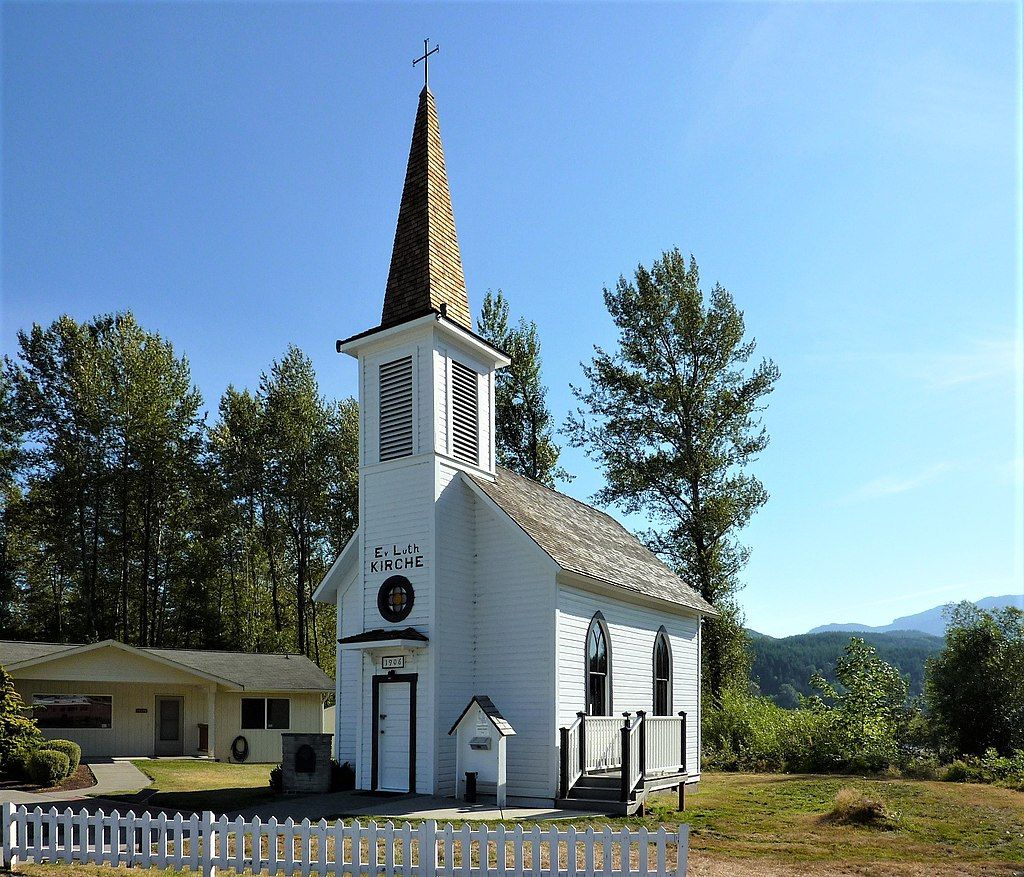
118 700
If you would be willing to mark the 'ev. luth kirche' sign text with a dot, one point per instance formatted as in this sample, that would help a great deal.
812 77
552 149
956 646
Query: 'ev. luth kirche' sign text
394 558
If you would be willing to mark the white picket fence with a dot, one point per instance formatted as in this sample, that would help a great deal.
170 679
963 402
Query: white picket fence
205 843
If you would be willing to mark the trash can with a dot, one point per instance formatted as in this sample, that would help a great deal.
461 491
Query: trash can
471 786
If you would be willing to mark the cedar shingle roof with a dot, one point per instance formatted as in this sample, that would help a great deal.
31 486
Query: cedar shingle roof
266 672
426 267
583 540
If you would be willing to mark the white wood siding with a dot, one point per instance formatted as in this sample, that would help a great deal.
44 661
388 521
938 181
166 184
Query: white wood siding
454 642
514 647
397 508
350 615
440 399
632 630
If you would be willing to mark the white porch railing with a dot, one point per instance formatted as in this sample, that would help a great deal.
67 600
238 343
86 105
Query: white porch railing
632 755
601 743
571 761
639 746
205 843
665 739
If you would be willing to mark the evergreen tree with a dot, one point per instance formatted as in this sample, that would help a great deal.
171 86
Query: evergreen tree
524 441
17 731
672 418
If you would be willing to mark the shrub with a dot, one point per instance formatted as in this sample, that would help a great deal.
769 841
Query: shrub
988 768
343 777
71 749
855 808
922 767
276 780
48 767
744 732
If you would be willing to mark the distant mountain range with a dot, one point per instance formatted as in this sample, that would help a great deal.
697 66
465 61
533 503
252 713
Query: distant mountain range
782 668
930 621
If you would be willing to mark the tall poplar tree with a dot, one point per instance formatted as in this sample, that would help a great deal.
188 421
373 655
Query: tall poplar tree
524 441
108 476
672 417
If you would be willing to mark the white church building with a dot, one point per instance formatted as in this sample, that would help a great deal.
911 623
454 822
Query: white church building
465 579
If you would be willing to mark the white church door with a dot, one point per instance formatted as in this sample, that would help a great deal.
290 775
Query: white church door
394 746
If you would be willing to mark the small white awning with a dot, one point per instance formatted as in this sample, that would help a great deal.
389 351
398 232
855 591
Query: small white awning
384 638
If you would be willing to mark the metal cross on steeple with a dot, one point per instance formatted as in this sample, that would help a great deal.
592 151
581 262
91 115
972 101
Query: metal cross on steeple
425 58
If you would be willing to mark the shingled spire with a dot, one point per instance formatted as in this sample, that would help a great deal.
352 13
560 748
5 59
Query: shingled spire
426 267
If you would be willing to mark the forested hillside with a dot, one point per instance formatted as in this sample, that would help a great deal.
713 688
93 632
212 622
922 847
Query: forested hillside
782 668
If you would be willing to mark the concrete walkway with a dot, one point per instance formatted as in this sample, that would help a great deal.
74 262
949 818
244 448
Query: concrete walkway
415 807
111 776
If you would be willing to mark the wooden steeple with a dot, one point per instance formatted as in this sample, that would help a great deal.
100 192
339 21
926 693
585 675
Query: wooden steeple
426 266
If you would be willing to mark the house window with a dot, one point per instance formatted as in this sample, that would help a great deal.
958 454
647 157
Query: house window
270 713
72 711
465 413
662 674
598 681
395 382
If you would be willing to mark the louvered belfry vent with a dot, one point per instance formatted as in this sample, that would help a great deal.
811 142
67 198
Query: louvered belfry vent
465 413
396 409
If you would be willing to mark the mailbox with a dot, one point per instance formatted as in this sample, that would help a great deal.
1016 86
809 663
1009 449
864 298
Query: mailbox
480 734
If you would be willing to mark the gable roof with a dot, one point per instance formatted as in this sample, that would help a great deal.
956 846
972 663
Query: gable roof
248 672
583 540
501 724
426 266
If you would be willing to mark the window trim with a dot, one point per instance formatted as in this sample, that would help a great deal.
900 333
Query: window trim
599 620
266 710
32 709
661 637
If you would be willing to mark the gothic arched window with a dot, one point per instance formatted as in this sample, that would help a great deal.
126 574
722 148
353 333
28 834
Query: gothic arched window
662 674
598 667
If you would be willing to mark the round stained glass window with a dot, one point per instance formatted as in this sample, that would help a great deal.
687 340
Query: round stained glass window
395 598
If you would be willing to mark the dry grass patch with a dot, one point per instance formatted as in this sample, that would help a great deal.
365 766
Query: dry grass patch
853 807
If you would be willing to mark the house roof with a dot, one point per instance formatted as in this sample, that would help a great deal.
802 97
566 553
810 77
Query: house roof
583 540
500 723
249 672
426 266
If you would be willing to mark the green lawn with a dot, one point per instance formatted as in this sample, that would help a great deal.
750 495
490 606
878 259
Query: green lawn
779 819
204 785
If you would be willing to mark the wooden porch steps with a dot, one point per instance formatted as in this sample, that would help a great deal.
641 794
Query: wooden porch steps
601 791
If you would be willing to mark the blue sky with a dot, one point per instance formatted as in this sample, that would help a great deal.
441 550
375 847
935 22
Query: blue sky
851 172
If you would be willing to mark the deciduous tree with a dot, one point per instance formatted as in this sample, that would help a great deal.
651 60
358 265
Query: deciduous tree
974 688
672 416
